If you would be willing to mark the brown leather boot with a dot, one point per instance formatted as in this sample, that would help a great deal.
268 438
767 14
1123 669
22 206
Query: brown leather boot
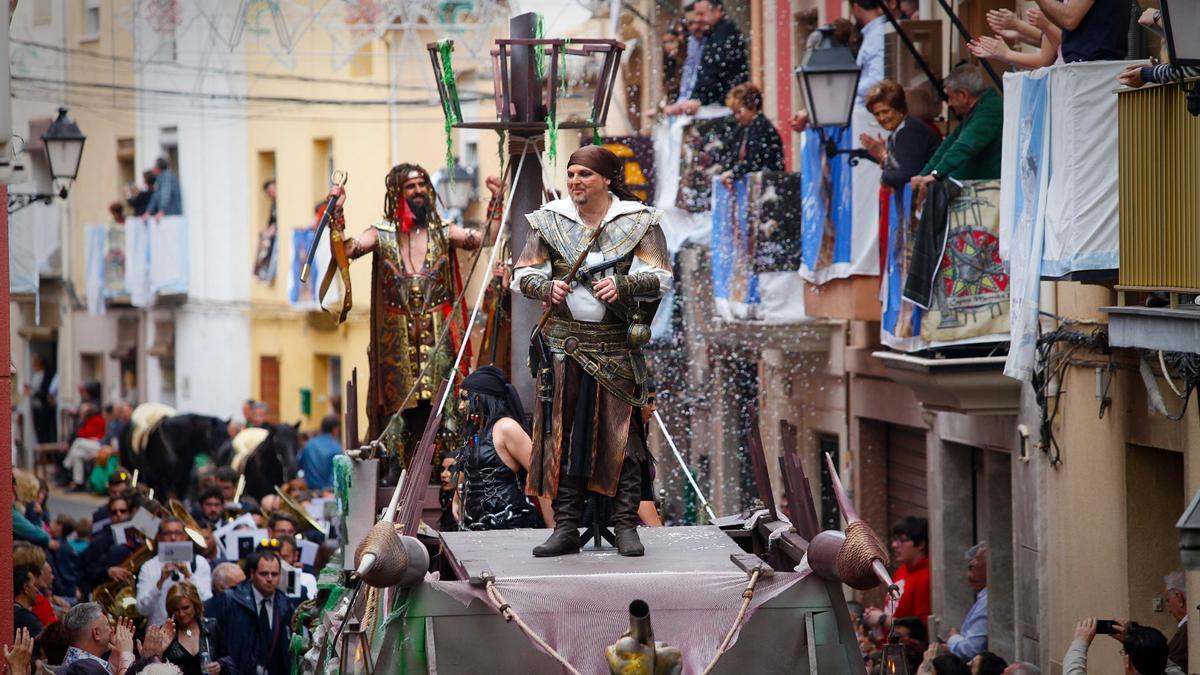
568 511
625 509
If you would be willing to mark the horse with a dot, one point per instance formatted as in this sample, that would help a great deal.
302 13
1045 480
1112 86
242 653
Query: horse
272 462
169 450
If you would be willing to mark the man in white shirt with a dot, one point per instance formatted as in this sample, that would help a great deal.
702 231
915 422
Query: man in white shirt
870 53
155 577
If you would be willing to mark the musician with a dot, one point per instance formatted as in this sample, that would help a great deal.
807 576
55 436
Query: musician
586 435
211 512
102 558
414 282
156 578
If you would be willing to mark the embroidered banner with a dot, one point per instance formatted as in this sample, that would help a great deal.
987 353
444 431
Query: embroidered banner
756 248
970 299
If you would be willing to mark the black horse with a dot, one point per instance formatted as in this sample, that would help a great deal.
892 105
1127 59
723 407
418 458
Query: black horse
165 464
274 462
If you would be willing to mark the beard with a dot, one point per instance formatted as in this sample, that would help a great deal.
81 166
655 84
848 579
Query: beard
420 210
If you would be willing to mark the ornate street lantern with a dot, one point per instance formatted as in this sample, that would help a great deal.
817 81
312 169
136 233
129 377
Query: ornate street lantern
455 185
893 661
1180 18
1189 535
64 148
829 80
355 657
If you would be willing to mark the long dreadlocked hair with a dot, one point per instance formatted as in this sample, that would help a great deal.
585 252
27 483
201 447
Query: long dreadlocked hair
395 190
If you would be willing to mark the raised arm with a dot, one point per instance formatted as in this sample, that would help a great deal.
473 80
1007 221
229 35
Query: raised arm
355 248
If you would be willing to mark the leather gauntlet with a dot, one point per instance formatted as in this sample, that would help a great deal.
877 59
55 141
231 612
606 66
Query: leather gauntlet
640 285
536 288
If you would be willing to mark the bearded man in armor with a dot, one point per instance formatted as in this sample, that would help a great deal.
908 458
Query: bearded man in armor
414 283
588 433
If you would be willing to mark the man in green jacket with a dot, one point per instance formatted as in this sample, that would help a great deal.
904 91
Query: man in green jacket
972 150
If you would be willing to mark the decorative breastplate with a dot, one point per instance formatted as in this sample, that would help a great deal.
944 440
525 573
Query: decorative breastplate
416 292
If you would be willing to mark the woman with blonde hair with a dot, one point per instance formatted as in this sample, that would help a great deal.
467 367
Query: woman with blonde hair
198 647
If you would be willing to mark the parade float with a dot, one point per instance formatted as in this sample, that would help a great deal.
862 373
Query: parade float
751 592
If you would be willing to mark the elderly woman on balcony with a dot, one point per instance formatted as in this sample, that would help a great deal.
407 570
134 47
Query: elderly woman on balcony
755 142
911 143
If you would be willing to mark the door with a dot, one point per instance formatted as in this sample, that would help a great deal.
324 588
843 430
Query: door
906 474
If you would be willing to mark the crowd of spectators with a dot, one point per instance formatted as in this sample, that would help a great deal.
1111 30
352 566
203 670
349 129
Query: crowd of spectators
97 595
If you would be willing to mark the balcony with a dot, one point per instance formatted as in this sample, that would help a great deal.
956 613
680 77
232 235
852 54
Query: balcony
140 263
1159 156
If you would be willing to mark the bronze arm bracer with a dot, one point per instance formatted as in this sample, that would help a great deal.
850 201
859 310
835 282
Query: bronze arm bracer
536 288
639 285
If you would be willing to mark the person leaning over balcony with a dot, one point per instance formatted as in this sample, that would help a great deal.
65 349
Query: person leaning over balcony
911 143
754 140
1137 75
166 200
1092 30
972 150
723 63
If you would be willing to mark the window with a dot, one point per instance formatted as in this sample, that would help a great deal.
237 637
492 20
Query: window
43 13
91 19
361 63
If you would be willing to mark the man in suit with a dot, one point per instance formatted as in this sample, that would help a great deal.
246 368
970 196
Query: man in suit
257 619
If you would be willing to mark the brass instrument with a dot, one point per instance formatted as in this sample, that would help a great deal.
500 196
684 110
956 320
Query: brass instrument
190 526
119 598
298 511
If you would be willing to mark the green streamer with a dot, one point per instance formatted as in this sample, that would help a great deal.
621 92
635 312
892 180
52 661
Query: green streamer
595 131
342 469
539 51
552 139
446 49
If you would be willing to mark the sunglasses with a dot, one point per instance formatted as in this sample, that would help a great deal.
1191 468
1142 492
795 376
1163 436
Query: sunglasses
119 510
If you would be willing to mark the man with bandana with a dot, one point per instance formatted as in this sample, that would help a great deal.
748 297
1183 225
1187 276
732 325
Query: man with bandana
414 283
588 433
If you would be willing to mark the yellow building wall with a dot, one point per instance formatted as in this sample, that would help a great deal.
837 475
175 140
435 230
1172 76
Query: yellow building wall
103 119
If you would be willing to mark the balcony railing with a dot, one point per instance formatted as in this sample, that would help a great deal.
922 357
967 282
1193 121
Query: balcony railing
1159 150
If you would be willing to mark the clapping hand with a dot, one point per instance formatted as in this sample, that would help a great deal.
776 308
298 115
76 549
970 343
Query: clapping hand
1003 23
122 639
875 145
19 655
984 47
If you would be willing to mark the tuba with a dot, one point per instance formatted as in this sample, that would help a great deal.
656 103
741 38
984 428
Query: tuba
119 598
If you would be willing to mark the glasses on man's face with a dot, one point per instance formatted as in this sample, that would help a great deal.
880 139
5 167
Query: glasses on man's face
119 511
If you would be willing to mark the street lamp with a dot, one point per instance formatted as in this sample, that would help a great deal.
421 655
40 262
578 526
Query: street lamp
1184 51
1189 535
63 143
455 186
829 82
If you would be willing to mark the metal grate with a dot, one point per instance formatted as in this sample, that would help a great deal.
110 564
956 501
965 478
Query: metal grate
1159 161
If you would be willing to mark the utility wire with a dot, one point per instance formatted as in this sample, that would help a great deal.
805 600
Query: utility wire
240 98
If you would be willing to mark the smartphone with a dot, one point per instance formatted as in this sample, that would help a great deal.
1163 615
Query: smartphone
1104 626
